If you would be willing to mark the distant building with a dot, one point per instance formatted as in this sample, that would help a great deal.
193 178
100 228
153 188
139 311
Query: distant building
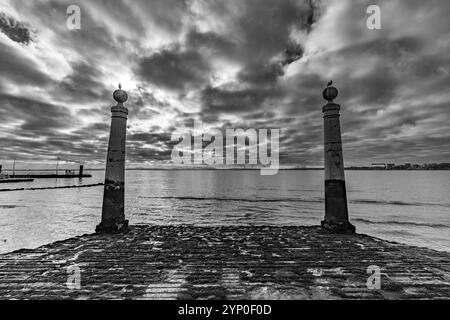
405 166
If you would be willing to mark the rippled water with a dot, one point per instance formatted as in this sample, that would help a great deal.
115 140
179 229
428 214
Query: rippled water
411 207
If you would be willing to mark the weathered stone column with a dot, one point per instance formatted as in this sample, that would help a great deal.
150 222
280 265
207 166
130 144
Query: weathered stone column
113 215
336 211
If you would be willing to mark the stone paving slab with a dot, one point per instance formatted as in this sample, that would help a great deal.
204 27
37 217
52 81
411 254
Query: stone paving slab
187 262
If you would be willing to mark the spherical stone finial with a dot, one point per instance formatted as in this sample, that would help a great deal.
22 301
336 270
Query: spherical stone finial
120 95
330 93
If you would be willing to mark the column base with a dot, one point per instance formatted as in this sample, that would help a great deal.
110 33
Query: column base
338 227
112 228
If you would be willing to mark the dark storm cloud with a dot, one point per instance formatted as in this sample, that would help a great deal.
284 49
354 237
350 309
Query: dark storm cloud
372 127
305 95
210 41
17 31
261 74
265 49
34 127
221 100
43 139
38 118
388 72
166 14
150 146
174 69
83 84
15 67
97 128
291 53
150 138
143 154
264 26
391 89
247 64
266 73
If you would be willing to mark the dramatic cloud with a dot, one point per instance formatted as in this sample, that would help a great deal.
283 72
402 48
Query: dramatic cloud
18 68
15 30
173 69
236 63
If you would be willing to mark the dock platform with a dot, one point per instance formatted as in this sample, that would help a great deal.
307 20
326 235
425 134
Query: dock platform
261 262
51 176
16 180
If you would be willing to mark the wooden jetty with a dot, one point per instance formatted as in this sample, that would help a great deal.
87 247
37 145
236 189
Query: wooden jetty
50 176
68 174
16 180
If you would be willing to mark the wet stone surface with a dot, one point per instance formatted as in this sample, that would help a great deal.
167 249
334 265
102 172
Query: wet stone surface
186 262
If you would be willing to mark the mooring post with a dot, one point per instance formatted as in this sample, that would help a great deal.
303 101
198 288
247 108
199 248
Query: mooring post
80 172
336 211
113 211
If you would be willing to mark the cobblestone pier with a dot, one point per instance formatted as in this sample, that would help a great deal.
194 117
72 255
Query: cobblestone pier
186 262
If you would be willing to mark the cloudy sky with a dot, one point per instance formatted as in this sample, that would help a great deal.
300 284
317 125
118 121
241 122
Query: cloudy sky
234 63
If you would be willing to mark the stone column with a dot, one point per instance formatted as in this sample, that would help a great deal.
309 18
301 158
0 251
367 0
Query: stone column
113 215
336 211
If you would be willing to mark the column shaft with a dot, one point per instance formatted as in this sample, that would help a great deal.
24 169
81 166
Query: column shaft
336 210
113 212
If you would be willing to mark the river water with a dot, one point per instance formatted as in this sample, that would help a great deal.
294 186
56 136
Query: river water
411 207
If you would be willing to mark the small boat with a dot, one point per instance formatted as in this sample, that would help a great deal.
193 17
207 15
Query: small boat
4 178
